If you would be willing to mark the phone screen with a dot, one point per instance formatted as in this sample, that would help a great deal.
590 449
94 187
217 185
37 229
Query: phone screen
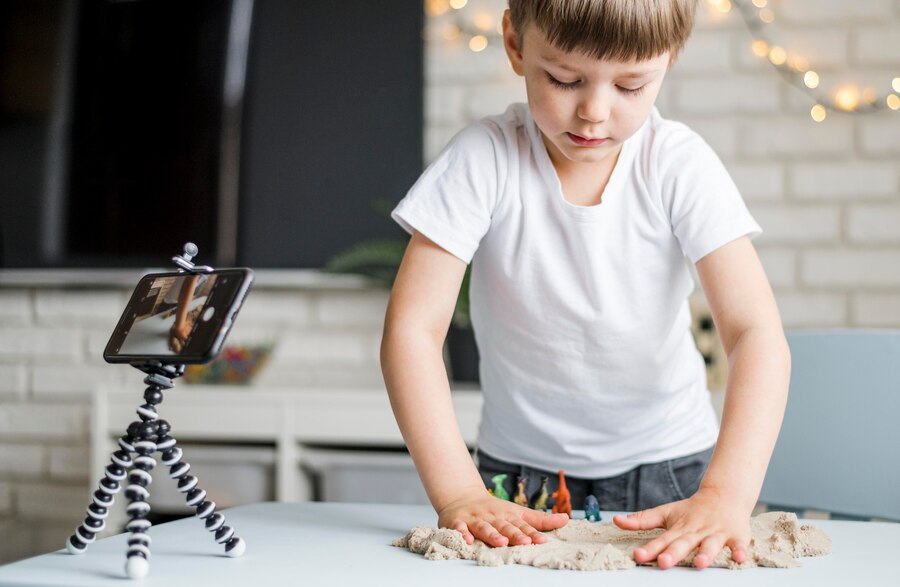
178 316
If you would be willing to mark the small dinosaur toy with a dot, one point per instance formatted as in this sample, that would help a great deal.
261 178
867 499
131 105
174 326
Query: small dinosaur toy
520 494
499 490
538 499
592 509
562 496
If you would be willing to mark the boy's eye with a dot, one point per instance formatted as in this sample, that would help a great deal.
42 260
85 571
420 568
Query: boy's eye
562 84
632 91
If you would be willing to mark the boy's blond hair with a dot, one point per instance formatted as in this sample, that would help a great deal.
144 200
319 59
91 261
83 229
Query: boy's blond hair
618 30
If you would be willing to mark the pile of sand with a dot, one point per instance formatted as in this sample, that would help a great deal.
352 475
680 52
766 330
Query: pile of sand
778 540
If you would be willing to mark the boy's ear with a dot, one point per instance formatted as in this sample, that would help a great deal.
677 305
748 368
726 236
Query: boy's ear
512 44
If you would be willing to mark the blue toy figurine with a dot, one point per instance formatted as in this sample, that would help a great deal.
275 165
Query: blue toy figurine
592 509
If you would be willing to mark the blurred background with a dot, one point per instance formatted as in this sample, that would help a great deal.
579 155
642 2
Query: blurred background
274 133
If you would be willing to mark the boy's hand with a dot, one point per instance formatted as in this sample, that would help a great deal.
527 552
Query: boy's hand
706 520
497 522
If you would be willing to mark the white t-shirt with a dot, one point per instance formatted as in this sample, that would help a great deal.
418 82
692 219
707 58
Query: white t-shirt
580 312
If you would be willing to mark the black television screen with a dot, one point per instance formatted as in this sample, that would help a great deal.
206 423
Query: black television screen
146 129
131 147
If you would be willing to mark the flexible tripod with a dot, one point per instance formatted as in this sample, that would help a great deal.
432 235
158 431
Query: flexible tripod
142 439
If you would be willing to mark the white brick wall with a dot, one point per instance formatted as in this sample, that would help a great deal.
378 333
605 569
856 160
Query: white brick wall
877 45
846 182
13 382
53 502
850 269
874 225
16 308
805 13
56 307
876 310
41 421
22 460
880 137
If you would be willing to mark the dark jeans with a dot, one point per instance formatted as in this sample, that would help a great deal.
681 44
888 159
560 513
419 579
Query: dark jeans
640 488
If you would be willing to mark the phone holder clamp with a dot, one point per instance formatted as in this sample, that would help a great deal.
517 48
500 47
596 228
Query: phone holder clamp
184 260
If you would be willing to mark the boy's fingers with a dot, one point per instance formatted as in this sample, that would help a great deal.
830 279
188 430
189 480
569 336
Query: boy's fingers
738 550
534 536
677 550
709 550
488 534
512 532
545 522
464 530
649 552
643 520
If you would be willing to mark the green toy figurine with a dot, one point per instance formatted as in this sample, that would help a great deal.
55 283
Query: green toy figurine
520 497
499 490
538 499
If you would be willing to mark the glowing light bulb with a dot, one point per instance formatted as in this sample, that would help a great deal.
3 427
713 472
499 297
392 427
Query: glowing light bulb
893 101
777 55
799 63
818 113
811 79
478 43
436 7
760 3
457 4
760 48
766 15
896 84
724 6
847 98
870 95
483 21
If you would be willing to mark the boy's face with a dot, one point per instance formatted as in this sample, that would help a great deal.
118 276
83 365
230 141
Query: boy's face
584 107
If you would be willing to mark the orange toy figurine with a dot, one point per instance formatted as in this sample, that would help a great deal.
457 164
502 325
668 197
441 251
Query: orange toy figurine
563 503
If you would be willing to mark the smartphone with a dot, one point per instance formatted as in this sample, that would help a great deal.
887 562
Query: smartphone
178 318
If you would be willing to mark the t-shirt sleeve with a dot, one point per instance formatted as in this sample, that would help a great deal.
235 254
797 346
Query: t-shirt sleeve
452 201
703 203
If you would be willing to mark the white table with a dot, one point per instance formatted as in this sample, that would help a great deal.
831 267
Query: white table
309 544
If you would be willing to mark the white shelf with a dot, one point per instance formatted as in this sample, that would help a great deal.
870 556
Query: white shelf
287 418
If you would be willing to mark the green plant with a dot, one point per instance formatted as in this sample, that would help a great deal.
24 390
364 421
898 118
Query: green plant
379 259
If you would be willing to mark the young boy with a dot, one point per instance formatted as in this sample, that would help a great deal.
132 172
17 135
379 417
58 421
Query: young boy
577 212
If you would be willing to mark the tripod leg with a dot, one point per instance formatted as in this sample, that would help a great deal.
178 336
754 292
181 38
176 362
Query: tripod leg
137 565
103 497
194 496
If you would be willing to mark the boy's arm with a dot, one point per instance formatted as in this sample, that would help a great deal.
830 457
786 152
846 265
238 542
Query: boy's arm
746 316
418 315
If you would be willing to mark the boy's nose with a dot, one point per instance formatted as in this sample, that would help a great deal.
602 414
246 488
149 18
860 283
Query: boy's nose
594 108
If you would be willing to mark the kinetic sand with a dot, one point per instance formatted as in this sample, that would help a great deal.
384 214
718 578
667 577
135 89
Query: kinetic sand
778 541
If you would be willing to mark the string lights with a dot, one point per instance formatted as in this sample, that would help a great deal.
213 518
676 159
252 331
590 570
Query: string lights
478 29
797 71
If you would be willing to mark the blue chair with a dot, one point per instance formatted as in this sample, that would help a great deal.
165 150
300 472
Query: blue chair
839 446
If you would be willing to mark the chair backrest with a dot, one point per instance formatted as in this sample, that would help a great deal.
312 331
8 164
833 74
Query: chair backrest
839 446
